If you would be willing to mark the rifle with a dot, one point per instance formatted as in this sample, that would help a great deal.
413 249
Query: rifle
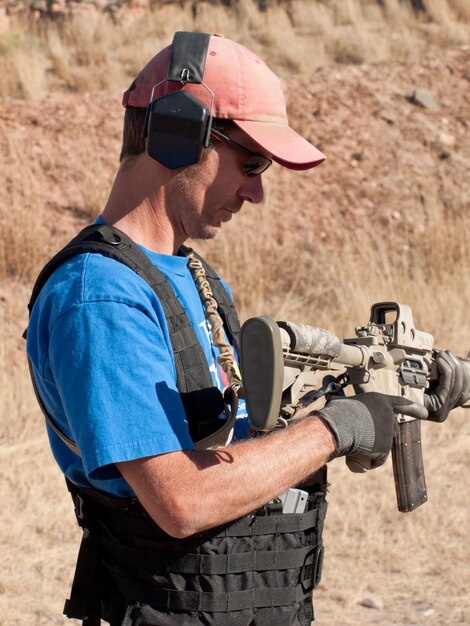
281 363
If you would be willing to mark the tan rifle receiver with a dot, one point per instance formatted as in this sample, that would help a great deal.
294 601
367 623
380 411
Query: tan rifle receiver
281 367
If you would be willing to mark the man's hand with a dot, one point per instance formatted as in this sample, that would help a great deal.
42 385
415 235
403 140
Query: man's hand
452 388
364 424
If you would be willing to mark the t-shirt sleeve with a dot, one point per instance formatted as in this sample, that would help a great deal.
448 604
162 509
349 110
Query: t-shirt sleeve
116 376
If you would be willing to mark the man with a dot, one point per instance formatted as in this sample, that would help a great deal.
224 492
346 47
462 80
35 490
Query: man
130 360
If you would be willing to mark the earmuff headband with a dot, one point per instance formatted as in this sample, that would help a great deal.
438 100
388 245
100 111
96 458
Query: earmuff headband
178 125
188 57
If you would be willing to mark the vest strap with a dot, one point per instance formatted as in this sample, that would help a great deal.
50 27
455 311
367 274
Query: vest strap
199 395
207 564
275 524
84 602
247 526
226 602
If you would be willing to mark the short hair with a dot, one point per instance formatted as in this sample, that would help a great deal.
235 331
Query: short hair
133 141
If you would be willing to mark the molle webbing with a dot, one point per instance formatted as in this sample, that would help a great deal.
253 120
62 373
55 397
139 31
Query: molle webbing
232 563
280 554
227 602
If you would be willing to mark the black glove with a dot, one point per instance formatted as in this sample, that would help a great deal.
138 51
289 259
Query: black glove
451 390
364 424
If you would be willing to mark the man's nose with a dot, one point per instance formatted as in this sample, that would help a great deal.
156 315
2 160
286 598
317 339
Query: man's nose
252 189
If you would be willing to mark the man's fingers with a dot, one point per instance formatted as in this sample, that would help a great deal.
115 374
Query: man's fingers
437 398
465 393
446 367
457 382
461 383
412 409
452 388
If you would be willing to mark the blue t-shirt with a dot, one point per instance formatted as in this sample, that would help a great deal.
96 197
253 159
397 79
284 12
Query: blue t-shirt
103 364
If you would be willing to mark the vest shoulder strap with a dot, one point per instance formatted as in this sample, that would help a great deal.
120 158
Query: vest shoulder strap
191 365
194 379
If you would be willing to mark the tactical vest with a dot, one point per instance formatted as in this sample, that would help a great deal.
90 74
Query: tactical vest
259 570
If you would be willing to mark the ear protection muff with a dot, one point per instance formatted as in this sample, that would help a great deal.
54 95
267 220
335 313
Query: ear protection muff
177 126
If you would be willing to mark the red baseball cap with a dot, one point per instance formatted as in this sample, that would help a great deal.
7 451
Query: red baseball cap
245 91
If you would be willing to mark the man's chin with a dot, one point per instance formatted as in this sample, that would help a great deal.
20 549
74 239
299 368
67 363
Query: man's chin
208 232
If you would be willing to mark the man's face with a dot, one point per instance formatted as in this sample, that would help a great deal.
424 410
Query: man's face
204 196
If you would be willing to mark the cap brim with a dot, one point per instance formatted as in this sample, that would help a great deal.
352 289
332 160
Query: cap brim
286 146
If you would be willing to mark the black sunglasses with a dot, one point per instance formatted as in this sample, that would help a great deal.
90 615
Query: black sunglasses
255 164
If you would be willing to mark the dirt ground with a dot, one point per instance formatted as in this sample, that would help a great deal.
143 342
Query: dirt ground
391 163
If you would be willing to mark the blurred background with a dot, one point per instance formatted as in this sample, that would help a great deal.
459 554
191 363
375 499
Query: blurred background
382 87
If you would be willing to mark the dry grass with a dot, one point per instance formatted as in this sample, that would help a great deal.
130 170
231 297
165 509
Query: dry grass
417 564
308 284
22 247
89 51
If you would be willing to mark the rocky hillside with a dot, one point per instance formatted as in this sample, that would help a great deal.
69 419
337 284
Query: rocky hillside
396 138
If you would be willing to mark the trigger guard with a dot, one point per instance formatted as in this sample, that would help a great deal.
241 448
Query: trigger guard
358 464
